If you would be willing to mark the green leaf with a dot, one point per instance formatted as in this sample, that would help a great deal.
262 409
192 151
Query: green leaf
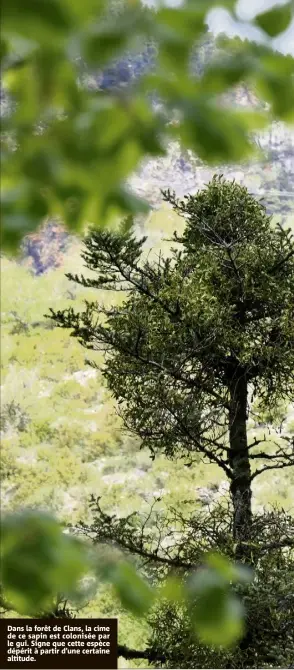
4 49
187 22
231 572
37 561
215 612
226 73
218 619
279 92
172 590
134 593
207 5
36 18
23 208
213 133
45 20
127 202
275 20
103 45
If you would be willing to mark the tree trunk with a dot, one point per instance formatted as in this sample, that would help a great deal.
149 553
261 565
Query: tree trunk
240 465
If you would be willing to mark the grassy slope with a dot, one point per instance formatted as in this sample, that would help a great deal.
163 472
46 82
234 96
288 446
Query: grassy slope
67 441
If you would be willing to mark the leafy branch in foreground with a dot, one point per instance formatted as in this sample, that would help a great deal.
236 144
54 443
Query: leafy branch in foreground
67 149
39 561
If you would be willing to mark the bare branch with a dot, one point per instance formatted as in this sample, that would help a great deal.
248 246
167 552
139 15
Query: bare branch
148 654
281 466
282 544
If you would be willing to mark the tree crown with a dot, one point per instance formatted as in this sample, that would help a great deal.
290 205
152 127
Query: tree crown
221 307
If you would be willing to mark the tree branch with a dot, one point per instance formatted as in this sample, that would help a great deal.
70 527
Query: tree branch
209 454
282 262
288 542
148 654
281 466
143 553
178 376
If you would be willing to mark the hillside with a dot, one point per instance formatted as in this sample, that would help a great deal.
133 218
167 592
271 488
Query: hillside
62 438
271 177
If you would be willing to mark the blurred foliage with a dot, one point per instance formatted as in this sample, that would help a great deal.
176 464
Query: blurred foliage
39 561
67 149
166 542
268 600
